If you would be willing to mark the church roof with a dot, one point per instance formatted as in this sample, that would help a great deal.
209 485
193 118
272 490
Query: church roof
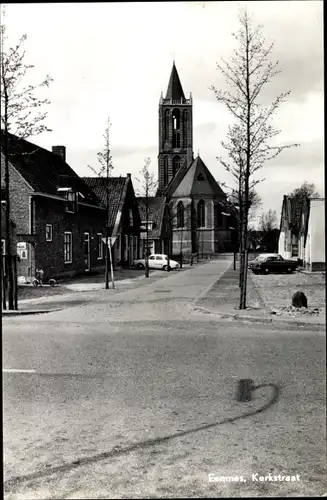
175 89
195 179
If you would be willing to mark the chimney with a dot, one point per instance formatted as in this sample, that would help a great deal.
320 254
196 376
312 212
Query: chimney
129 175
59 150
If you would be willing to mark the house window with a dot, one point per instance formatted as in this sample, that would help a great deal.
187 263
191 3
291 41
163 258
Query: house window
48 232
68 248
100 246
201 220
180 214
71 205
200 177
71 197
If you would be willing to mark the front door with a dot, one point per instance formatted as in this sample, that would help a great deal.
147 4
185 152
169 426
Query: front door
87 251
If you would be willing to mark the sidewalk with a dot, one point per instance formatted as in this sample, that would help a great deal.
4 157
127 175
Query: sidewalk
224 296
85 289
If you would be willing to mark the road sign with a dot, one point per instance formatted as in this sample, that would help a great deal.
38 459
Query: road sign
111 240
21 245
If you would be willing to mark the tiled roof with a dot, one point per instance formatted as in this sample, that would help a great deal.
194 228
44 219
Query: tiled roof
195 165
212 181
43 170
115 192
175 89
175 181
156 211
3 218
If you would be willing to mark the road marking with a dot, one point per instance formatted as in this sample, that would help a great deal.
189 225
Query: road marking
14 370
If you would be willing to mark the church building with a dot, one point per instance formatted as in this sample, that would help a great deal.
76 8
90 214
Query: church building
200 219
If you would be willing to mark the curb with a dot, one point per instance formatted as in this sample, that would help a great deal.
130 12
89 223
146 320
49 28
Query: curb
26 312
255 319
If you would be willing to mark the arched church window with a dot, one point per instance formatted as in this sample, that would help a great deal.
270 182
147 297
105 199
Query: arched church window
165 171
201 219
176 165
176 128
176 119
180 214
166 124
185 124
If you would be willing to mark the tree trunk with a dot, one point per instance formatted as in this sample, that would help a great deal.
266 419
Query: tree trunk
242 270
247 173
107 231
240 226
147 234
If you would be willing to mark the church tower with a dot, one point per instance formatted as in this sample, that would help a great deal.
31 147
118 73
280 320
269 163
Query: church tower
175 131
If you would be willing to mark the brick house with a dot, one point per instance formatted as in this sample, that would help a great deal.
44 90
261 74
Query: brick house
13 236
57 217
123 216
158 241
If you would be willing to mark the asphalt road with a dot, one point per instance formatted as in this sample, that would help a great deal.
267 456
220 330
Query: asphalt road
85 385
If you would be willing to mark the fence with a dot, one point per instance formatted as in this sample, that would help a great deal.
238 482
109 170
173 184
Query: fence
5 282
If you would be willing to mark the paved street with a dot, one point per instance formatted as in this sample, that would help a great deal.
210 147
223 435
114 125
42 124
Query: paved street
82 386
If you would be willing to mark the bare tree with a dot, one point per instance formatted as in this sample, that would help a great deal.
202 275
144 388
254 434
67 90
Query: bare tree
249 142
148 188
268 221
21 115
305 191
106 166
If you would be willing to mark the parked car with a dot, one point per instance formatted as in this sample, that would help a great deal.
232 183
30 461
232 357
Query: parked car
270 263
157 261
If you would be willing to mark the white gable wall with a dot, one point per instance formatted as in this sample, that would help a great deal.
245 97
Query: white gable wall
315 245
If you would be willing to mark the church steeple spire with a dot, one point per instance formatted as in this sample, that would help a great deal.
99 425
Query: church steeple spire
175 89
175 131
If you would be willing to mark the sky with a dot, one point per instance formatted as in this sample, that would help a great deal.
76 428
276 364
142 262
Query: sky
114 59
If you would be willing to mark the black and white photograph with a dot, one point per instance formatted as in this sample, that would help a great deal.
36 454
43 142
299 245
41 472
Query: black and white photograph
163 287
